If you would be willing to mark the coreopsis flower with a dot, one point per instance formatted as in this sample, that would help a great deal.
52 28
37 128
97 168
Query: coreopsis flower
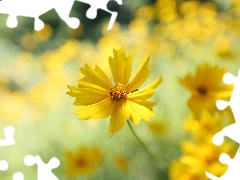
98 97
82 162
199 158
206 88
207 125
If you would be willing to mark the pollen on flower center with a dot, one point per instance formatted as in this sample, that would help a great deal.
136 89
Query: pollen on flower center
118 91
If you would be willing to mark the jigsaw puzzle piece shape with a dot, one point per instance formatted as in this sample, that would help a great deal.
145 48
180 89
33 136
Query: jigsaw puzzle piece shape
18 176
8 132
234 102
63 8
44 170
101 4
235 98
26 8
232 172
232 130
3 165
36 8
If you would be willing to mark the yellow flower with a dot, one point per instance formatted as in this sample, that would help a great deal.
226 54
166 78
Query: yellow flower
83 162
198 158
122 163
207 125
99 98
206 88
224 49
158 127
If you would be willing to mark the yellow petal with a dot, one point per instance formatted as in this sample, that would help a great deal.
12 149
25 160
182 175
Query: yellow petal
97 77
83 71
83 84
188 147
140 96
128 70
135 118
146 103
101 109
86 96
73 91
207 76
143 112
197 104
120 114
121 66
103 76
153 85
145 92
212 74
189 82
140 76
220 94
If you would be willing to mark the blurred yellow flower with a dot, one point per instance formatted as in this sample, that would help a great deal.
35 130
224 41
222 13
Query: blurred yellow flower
158 127
122 100
207 125
198 158
122 163
206 88
28 42
82 162
224 48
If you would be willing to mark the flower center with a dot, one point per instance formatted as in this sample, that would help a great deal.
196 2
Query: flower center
118 91
202 90
81 162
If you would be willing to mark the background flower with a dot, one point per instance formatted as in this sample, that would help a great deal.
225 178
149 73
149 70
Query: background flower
82 162
206 88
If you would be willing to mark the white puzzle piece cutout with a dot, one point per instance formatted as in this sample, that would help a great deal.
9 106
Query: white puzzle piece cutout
3 165
232 131
8 132
18 176
101 4
8 141
36 8
44 170
233 172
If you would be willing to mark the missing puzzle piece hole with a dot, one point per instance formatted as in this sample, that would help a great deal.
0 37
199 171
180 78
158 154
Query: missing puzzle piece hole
91 13
3 165
224 158
12 21
8 132
221 105
73 22
29 160
228 78
218 139
18 176
38 24
44 170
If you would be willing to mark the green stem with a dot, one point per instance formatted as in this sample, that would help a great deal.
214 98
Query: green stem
142 143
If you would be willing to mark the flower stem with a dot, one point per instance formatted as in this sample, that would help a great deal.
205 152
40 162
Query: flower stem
142 143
